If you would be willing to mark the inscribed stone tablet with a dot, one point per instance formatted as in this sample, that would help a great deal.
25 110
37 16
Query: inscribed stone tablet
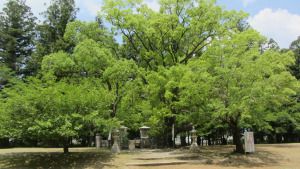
249 142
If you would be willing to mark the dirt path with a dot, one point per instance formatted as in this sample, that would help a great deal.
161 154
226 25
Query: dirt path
275 156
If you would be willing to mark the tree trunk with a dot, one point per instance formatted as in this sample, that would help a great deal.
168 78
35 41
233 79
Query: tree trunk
199 140
66 149
270 138
90 141
237 140
183 141
224 140
66 144
169 121
208 140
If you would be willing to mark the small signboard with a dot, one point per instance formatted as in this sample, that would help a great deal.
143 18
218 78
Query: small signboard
249 142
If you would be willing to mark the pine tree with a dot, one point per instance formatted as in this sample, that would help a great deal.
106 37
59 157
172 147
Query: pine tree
16 35
50 33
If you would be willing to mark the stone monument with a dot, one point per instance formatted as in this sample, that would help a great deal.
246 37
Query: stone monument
249 142
194 147
123 140
145 139
98 140
131 144
115 148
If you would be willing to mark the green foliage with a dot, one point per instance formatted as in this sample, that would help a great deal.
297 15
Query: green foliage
55 111
181 30
50 34
295 47
5 75
59 14
246 83
91 59
78 31
88 60
243 79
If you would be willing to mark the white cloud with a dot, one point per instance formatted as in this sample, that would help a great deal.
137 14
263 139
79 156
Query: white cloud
280 25
247 2
154 5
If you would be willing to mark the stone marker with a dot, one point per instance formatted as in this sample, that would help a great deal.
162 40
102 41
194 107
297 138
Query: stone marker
104 144
98 140
115 148
131 144
145 140
194 147
249 142
123 140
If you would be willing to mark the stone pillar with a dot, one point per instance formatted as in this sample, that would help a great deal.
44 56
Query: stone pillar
123 140
145 140
194 147
115 148
98 140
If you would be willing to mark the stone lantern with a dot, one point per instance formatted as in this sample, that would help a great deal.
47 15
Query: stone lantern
194 147
145 140
115 148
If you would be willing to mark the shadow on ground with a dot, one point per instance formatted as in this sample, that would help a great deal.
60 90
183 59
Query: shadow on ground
225 156
214 155
44 160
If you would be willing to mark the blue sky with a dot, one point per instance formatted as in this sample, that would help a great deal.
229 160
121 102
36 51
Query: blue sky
277 19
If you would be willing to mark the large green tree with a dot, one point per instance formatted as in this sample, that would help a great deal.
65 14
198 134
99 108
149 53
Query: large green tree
16 35
158 41
54 111
245 86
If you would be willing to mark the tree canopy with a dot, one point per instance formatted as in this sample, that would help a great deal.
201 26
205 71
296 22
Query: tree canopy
178 32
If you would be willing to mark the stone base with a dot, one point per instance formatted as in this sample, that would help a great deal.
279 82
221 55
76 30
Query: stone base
131 144
145 143
194 149
115 149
